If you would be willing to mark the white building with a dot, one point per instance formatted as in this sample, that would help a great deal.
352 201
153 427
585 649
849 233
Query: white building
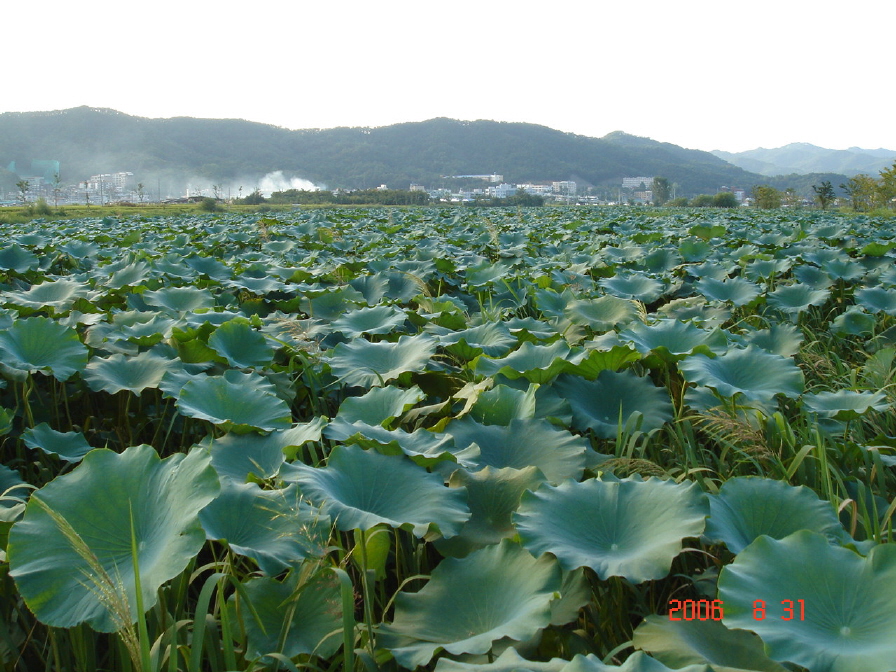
636 182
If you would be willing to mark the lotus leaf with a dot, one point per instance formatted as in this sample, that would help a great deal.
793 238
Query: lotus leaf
681 644
492 339
779 339
307 618
208 266
523 443
241 345
69 446
470 603
747 507
853 322
379 405
364 364
17 259
826 607
737 291
179 299
13 490
273 527
360 489
845 404
108 502
601 314
238 402
117 372
132 274
766 268
794 299
535 363
376 320
599 404
40 344
629 528
877 299
56 294
673 338
493 495
756 374
236 456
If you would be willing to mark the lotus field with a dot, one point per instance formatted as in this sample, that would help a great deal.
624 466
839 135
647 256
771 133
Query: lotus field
555 440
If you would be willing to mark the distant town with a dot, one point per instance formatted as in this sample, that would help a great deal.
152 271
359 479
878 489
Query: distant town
41 181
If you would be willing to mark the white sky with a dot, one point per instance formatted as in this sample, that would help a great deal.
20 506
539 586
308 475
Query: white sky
704 74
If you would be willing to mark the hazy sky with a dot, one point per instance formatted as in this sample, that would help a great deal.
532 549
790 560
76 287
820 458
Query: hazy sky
698 73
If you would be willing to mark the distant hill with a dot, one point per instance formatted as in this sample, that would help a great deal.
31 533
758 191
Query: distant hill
803 158
89 141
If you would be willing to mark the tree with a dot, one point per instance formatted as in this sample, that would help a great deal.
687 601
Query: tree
766 197
57 187
22 186
791 198
724 199
661 190
824 193
886 188
861 191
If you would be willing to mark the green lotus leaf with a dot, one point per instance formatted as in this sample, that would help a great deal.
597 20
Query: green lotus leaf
523 443
594 360
117 372
40 344
331 305
693 250
683 644
56 294
813 277
853 322
469 603
260 286
379 405
310 614
602 314
694 309
662 260
108 502
508 661
747 507
756 374
501 404
128 276
236 456
375 320
636 286
843 269
779 339
18 259
365 364
671 337
493 495
422 446
13 491
599 404
69 446
827 608
877 299
276 528
630 528
737 291
154 330
793 299
241 345
361 488
239 402
208 266
535 363
180 299
492 339
845 404
766 268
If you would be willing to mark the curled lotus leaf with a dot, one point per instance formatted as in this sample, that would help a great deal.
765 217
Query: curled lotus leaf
779 339
638 286
179 299
375 320
827 608
360 489
276 528
69 446
469 603
877 299
794 299
379 405
854 321
18 259
40 344
535 363
631 528
97 510
238 402
56 294
523 442
118 372
601 314
747 507
737 291
845 404
241 345
673 337
756 374
599 404
365 364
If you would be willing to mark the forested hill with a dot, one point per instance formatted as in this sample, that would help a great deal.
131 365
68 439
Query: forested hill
88 141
